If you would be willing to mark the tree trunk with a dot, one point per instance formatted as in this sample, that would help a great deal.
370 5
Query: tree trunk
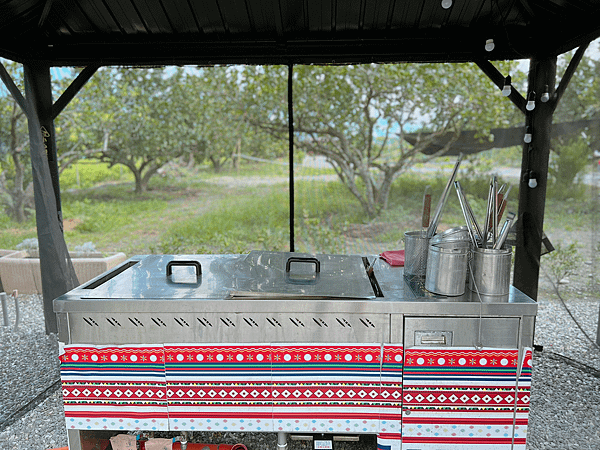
216 162
191 162
15 151
237 153
150 172
137 175
139 186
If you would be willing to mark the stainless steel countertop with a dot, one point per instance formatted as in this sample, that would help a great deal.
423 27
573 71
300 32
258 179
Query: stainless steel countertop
141 290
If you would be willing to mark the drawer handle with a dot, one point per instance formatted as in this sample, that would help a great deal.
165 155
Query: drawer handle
433 340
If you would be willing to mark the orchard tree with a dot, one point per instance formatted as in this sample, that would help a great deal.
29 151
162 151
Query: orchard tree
356 116
221 119
581 99
16 188
572 151
139 118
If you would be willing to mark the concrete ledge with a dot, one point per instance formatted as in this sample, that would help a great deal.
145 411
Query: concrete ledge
18 271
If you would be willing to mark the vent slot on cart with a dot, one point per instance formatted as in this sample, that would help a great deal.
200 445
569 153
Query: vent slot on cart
296 322
320 322
204 321
227 327
137 322
367 323
250 321
181 322
343 322
158 322
228 322
91 322
273 321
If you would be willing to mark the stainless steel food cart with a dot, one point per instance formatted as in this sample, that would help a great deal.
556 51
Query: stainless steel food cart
294 343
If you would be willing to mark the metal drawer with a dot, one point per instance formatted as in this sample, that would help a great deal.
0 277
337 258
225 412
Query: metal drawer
496 332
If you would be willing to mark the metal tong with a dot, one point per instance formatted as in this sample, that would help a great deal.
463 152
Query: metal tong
510 217
438 210
496 204
472 225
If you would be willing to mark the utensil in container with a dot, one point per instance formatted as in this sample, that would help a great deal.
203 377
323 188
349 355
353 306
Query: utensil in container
438 210
463 207
425 219
504 231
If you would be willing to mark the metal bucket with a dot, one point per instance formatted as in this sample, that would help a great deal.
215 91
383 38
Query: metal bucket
416 244
447 268
491 274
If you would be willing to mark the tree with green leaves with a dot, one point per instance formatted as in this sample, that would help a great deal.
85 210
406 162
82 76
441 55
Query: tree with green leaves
139 118
572 151
16 188
225 133
356 116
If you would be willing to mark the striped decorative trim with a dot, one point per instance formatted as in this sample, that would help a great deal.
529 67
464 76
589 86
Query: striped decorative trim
431 398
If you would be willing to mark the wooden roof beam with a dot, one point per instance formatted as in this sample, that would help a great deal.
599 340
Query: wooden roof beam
70 93
45 12
13 89
569 72
498 79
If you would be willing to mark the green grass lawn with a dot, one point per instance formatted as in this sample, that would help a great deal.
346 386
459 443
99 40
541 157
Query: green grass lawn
202 212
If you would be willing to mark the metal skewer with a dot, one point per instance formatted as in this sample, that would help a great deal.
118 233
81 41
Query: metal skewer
488 213
465 213
510 217
438 210
475 226
495 211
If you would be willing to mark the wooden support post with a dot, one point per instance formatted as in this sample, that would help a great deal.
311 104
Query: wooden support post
534 176
58 275
40 83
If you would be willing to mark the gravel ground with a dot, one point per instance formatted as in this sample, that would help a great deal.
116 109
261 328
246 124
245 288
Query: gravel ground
565 404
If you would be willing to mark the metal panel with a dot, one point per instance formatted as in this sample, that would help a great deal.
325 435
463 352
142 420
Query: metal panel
127 17
239 31
160 327
255 275
496 332
209 17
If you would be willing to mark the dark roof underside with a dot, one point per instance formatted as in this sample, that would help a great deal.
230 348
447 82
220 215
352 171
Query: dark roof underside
139 32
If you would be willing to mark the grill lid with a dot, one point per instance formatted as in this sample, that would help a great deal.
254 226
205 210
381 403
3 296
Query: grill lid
258 275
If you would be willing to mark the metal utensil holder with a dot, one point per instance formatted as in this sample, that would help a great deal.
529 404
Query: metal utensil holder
416 246
447 268
490 277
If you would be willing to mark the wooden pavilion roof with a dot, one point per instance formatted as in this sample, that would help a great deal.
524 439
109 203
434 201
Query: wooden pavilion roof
155 32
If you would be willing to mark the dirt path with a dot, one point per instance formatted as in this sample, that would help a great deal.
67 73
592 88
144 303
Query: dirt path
236 182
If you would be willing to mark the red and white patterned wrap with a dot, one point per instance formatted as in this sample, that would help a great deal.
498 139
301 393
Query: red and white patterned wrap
461 398
434 398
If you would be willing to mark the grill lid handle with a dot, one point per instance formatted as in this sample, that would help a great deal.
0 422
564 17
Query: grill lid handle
195 264
302 259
